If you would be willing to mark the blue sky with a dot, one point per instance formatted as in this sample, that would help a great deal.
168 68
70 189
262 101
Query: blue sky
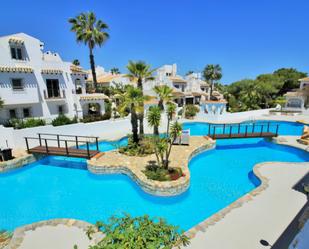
246 37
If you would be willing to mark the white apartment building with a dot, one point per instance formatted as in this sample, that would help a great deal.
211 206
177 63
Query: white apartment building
297 100
34 83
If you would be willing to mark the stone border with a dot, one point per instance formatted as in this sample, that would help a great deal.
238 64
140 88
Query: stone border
157 188
218 216
19 232
16 163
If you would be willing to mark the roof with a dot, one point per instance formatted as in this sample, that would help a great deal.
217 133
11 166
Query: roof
203 83
304 79
16 69
51 71
294 94
177 79
77 69
106 78
177 93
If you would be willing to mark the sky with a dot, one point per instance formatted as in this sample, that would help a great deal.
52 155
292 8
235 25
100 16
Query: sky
246 37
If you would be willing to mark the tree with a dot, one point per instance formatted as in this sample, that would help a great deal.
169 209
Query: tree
164 93
154 119
91 32
138 233
211 74
132 99
76 62
115 70
141 72
170 112
189 72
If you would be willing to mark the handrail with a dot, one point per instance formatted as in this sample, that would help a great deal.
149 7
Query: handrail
62 135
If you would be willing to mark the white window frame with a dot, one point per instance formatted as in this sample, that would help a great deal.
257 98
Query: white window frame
22 85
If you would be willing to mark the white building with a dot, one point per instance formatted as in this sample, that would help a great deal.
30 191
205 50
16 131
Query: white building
34 83
298 99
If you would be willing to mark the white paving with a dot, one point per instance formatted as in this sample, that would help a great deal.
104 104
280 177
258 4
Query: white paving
264 217
55 237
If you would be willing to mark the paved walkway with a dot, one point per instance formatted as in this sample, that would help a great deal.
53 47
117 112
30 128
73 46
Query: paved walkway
264 217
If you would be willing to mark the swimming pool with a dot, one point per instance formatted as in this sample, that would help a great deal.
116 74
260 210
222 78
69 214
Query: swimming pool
57 188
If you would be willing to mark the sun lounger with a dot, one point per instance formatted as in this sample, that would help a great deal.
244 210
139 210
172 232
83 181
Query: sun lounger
185 137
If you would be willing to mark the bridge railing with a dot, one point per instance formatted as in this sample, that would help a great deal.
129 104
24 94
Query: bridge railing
243 128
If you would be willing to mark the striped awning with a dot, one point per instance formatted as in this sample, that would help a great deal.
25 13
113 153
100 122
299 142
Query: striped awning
51 71
16 40
16 69
93 97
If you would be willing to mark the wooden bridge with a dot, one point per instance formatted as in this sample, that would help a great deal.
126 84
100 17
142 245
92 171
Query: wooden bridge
63 145
243 130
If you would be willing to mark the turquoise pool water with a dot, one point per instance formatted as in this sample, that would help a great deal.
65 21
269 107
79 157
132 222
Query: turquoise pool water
58 187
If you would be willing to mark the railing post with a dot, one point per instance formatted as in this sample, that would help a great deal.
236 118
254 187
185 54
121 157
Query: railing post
27 144
230 130
58 141
97 143
76 139
66 147
223 128
261 133
246 131
253 127
268 126
209 129
277 130
46 146
88 152
238 128
40 139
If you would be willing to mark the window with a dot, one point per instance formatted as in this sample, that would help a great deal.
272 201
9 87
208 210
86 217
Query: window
16 53
12 113
17 85
26 112
60 109
78 86
53 90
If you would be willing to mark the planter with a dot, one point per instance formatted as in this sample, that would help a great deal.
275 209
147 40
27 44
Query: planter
7 154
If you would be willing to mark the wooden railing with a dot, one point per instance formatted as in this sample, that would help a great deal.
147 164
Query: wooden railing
246 130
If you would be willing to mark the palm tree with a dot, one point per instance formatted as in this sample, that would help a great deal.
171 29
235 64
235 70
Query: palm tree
91 32
211 74
141 72
171 110
115 70
165 94
132 99
175 131
154 118
76 62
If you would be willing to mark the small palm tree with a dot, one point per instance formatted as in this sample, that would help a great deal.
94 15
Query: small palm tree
211 74
175 131
91 32
154 119
115 70
141 72
170 111
165 94
76 62
132 99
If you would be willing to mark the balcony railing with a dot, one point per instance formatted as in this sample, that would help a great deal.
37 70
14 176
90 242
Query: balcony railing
54 96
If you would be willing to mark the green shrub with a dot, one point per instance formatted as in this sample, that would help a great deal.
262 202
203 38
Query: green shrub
27 123
63 120
138 233
191 111
94 118
157 173
143 148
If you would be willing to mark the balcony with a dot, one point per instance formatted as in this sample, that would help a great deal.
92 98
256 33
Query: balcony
54 96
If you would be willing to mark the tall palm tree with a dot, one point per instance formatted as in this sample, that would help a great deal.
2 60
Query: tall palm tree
91 32
132 99
141 72
165 94
115 70
154 119
212 73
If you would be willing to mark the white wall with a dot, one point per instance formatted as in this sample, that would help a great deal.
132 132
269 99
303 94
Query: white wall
106 130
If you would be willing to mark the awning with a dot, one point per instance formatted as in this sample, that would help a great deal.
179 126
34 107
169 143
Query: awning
16 40
51 71
77 70
93 97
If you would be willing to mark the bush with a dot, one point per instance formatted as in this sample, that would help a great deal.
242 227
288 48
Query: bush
27 123
191 111
138 233
144 148
63 120
161 174
95 118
